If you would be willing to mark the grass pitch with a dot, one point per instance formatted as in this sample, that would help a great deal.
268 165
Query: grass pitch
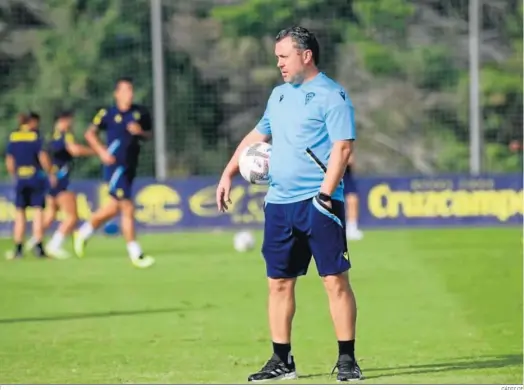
435 306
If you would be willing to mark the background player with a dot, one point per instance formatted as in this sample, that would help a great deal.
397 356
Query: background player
63 149
30 168
126 125
351 195
304 206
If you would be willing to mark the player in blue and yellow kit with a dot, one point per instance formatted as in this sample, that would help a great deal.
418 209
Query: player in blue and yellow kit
310 120
30 168
62 149
126 126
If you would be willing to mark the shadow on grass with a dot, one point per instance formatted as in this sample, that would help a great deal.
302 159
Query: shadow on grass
115 313
473 363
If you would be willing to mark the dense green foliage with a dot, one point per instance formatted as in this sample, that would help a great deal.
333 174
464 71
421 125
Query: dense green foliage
404 63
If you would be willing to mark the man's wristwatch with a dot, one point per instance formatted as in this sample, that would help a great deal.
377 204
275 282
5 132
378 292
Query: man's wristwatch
324 197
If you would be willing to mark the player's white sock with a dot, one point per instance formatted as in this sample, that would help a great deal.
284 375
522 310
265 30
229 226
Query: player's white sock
85 231
56 241
352 226
134 250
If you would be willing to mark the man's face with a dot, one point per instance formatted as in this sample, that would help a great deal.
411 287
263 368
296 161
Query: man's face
33 123
66 123
124 93
291 61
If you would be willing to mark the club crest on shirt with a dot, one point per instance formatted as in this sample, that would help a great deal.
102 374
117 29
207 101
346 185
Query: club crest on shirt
342 95
309 96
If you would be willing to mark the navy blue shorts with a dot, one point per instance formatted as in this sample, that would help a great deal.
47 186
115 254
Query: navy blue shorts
30 195
120 181
296 231
61 186
350 186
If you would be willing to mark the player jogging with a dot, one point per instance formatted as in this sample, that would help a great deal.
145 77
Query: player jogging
30 168
311 122
351 195
62 149
126 125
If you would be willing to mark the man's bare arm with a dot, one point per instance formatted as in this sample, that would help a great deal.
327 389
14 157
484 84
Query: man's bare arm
336 166
91 136
10 165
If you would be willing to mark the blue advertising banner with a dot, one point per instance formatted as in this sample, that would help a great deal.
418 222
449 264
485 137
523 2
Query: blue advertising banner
384 202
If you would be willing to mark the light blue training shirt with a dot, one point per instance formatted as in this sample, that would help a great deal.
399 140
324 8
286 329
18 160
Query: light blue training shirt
313 116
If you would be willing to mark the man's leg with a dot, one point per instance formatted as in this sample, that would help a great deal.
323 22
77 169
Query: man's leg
287 256
19 225
50 212
281 309
352 208
66 202
38 230
329 248
103 214
18 233
343 308
49 217
113 175
127 215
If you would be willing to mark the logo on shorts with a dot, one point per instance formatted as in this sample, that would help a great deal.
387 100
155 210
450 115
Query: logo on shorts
345 255
309 96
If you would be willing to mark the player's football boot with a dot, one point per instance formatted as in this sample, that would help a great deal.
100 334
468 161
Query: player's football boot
13 255
348 369
57 253
275 369
30 245
79 245
143 261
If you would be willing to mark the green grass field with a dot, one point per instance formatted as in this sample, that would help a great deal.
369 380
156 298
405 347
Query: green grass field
435 306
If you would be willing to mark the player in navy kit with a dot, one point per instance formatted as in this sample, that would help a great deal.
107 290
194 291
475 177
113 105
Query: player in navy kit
310 120
126 126
30 168
62 149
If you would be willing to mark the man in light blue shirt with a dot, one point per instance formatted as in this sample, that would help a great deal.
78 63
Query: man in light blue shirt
310 120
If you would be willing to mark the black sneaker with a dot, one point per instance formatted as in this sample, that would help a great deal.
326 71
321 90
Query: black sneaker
348 369
275 369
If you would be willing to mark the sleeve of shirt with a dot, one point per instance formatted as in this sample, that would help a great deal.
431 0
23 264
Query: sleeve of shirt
69 138
39 144
263 126
340 117
100 119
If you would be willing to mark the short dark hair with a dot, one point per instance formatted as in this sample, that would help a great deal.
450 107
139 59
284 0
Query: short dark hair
64 114
124 79
303 38
25 117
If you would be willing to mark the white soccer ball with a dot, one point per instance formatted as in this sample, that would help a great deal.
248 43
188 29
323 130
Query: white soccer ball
244 241
254 163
